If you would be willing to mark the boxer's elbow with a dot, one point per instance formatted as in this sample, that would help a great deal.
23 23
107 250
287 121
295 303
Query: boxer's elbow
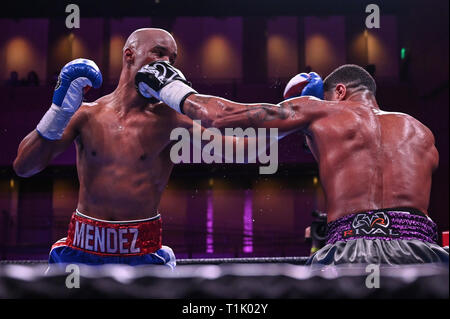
21 168
24 174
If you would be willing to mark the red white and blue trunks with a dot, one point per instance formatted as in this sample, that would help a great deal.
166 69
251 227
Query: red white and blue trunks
94 241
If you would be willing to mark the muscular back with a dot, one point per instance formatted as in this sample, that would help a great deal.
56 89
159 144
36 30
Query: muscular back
370 159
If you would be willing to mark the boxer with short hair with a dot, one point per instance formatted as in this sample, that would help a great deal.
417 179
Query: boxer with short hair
375 166
123 157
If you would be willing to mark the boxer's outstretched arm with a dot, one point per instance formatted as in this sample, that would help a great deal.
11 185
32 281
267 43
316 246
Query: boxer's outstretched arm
161 80
234 141
36 152
289 115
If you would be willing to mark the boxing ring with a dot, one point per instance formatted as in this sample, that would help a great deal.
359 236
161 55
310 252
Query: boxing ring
226 278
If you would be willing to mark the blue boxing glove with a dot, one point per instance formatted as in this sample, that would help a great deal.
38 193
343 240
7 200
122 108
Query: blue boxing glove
304 84
75 76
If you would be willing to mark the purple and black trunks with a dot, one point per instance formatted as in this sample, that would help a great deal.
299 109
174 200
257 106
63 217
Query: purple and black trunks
386 236
388 224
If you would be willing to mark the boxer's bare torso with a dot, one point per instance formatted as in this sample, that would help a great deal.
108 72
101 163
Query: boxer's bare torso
122 141
123 159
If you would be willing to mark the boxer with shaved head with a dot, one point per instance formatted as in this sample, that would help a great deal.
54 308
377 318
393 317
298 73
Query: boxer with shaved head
123 157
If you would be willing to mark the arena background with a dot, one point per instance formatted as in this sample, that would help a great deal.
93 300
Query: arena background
242 50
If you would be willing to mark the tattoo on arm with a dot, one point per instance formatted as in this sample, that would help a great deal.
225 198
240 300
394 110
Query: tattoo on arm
209 109
268 112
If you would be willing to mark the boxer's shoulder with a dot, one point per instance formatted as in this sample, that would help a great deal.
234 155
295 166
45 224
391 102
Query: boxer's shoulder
86 110
161 109
89 110
168 115
92 108
404 118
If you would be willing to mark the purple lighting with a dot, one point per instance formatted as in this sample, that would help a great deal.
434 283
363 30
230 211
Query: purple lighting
248 223
209 223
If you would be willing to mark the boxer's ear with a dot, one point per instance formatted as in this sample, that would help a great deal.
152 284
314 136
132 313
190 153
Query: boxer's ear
340 92
128 56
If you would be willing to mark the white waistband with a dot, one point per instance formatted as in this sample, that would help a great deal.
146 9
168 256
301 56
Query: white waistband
120 221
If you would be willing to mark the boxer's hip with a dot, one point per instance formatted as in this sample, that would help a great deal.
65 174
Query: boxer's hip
94 241
387 236
111 238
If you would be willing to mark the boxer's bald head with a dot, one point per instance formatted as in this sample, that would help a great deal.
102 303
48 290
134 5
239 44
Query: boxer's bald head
146 45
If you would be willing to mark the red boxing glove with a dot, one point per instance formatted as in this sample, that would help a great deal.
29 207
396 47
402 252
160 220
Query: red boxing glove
304 84
296 85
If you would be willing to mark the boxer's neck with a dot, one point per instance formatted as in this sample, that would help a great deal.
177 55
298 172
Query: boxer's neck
363 98
125 94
